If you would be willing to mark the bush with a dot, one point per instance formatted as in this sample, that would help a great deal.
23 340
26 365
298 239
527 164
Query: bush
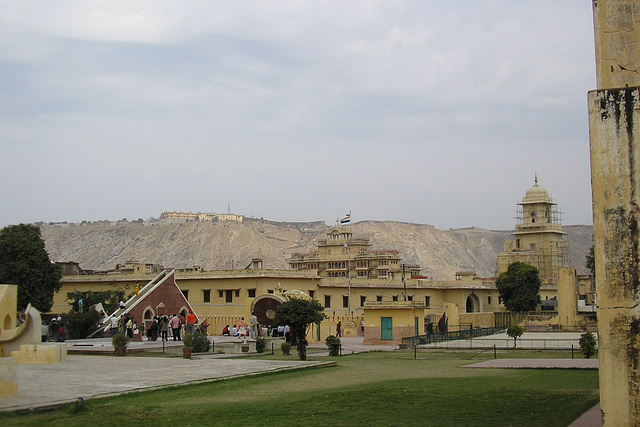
201 342
285 347
261 344
588 344
187 340
80 325
120 340
334 344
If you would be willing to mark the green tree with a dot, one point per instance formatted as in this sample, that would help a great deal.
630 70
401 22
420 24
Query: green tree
519 287
588 344
25 262
109 299
299 313
515 332
591 261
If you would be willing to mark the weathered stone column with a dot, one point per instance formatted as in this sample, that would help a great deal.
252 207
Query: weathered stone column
614 128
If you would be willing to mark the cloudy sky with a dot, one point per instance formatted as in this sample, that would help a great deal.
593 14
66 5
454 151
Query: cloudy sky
418 111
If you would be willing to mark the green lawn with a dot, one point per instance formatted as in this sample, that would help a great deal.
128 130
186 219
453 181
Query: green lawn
389 388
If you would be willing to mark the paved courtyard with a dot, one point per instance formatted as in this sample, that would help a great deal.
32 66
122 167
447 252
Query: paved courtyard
82 376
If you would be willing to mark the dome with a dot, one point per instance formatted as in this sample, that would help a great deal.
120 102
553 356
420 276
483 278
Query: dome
537 194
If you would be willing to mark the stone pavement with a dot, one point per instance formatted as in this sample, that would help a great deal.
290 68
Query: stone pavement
91 377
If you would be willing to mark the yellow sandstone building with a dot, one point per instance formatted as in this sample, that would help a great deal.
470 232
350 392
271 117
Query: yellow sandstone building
349 277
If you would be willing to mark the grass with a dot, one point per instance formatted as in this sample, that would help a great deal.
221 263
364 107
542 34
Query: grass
387 388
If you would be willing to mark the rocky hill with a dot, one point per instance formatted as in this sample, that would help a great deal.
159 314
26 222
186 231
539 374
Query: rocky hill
226 245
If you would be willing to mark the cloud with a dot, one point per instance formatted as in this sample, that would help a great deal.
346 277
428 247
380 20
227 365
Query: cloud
400 110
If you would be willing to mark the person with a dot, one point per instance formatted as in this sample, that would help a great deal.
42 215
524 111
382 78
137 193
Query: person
114 325
154 329
122 305
203 326
254 325
234 331
362 326
60 337
191 322
242 328
175 327
339 329
164 328
129 326
44 331
226 332
136 289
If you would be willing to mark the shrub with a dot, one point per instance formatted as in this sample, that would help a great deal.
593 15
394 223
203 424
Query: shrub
334 344
285 347
588 344
201 342
261 344
120 340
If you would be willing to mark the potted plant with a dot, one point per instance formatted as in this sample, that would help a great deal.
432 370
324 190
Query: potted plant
120 342
187 342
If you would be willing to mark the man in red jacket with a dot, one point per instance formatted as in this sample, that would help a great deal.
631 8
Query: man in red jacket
191 322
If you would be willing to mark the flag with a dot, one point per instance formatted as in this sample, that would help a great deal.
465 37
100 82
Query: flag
346 219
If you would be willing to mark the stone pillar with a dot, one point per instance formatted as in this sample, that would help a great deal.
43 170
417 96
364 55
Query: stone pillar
567 297
614 124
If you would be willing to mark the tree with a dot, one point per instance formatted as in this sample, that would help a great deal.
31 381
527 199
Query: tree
588 344
299 313
25 262
109 299
591 261
519 287
515 332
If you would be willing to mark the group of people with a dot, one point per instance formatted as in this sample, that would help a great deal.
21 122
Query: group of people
54 328
172 327
242 330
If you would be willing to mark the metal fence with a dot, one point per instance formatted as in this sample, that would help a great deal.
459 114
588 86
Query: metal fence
506 343
464 333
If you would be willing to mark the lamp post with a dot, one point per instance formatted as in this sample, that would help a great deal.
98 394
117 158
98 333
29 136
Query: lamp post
349 277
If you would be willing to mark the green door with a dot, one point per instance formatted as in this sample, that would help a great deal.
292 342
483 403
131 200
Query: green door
386 328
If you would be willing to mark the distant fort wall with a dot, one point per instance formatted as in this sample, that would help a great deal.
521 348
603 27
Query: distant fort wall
199 216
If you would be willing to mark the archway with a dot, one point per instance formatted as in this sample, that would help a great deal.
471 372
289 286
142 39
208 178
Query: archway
473 304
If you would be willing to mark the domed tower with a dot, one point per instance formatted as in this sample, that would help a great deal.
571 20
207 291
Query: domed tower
540 240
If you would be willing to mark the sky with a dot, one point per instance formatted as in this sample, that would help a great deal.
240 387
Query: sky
419 111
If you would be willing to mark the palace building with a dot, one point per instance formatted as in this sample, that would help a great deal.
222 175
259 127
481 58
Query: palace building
348 277
539 239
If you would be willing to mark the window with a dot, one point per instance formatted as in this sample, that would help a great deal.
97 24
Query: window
206 295
395 297
220 294
269 291
379 298
327 301
185 292
427 301
252 293
362 300
238 293
488 300
410 298
228 296
345 302
312 294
